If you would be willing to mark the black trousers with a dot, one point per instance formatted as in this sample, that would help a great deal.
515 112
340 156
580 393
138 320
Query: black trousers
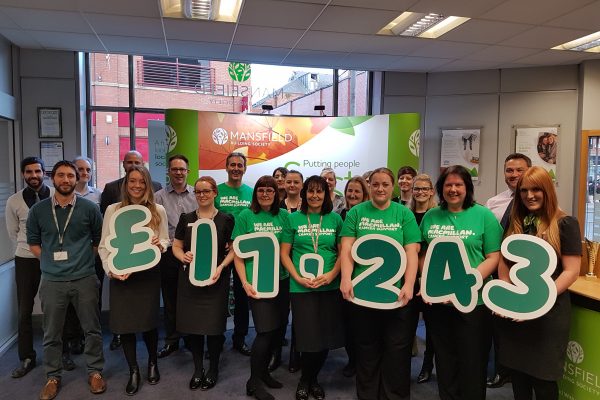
27 277
383 342
524 385
462 343
169 270
241 317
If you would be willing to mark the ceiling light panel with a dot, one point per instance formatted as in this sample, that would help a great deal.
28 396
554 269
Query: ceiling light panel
429 25
589 43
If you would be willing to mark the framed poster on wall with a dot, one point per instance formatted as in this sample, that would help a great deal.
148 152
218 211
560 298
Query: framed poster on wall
49 122
540 143
461 147
51 153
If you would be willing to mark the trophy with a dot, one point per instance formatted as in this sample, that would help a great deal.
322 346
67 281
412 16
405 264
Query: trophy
592 248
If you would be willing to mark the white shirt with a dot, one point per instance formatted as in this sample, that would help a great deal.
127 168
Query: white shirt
499 203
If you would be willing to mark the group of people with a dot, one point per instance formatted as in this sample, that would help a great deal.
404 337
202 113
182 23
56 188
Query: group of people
60 234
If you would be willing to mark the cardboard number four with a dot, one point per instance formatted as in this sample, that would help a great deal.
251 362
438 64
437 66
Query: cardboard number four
263 248
129 241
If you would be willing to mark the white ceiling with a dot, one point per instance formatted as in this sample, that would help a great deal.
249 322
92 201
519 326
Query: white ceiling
323 33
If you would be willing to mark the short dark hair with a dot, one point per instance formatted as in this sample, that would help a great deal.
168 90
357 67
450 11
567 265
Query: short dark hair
236 154
407 170
293 171
317 181
283 170
265 181
64 163
178 157
464 174
32 160
518 156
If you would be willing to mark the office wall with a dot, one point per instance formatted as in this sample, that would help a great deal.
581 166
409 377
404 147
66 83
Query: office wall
495 101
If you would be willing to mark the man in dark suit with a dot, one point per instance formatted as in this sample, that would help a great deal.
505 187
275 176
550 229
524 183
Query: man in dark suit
112 191
112 194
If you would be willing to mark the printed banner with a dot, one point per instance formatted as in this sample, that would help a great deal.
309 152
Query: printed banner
349 145
541 145
461 147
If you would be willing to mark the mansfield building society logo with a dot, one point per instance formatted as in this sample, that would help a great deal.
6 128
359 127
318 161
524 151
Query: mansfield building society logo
575 352
258 139
220 136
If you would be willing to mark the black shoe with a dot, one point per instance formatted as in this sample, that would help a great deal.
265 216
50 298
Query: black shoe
76 346
196 381
133 384
275 360
242 348
209 381
294 365
317 391
349 370
26 365
424 375
302 391
168 349
498 381
116 342
258 392
271 382
153 374
68 364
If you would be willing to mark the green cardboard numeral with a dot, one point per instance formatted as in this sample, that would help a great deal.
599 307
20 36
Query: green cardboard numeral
263 247
204 247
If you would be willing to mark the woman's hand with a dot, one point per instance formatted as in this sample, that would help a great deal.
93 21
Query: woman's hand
405 295
188 257
250 290
118 277
347 289
217 274
306 282
156 242
323 280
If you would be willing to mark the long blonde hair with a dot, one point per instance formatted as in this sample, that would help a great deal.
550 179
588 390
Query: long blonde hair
147 199
549 214
431 203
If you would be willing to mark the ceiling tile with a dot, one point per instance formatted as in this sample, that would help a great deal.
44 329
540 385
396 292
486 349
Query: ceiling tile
370 62
20 38
134 45
489 32
544 37
550 57
139 8
394 5
391 45
314 58
125 25
353 20
263 55
68 41
205 31
199 50
467 65
43 4
418 64
279 14
6 22
533 12
440 49
461 8
501 53
44 20
587 17
270 37
329 41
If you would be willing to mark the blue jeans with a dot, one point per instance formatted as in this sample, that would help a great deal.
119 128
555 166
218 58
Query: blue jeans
55 298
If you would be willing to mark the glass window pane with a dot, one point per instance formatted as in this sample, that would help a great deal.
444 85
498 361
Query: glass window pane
109 85
110 142
7 186
353 91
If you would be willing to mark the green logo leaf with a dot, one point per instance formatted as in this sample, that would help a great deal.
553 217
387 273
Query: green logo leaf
239 72
414 142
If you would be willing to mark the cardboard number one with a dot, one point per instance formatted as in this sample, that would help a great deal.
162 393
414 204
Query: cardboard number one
386 261
263 248
129 241
204 247
532 292
448 276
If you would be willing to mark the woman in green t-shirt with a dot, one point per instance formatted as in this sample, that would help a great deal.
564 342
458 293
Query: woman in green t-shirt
383 337
269 315
462 340
309 249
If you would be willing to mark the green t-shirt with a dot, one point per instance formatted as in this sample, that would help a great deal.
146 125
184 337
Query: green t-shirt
476 226
233 200
297 232
249 222
396 222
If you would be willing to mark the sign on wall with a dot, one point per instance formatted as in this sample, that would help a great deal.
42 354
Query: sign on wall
461 147
541 145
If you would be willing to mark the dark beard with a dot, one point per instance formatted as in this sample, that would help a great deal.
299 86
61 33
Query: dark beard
71 189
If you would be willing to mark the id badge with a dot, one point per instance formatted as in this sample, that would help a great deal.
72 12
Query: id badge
61 256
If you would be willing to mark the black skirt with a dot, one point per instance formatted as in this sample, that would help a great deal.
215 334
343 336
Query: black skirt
202 310
135 302
536 347
271 314
317 320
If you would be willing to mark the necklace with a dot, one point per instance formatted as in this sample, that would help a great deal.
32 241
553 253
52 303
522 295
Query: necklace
289 207
314 238
211 217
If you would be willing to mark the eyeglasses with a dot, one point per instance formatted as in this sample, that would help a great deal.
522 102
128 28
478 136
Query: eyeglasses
421 189
178 170
204 192
263 191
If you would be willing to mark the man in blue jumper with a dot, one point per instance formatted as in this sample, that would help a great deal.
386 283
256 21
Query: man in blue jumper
63 231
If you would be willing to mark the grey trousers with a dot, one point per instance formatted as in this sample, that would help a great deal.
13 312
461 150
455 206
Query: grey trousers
55 298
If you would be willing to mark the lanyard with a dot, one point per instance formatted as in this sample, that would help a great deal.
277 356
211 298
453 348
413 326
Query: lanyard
314 238
61 236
